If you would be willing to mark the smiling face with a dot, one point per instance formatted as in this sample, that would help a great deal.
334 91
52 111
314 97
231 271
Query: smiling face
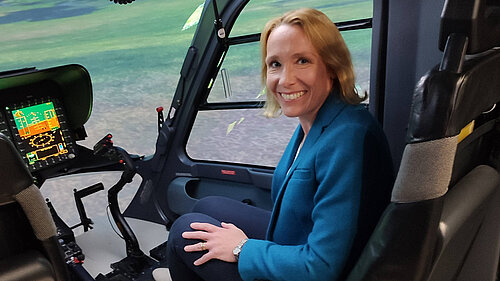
296 75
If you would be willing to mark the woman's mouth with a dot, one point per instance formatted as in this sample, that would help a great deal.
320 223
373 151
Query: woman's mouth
292 96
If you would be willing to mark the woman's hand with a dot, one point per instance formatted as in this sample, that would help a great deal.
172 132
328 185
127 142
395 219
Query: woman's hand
220 241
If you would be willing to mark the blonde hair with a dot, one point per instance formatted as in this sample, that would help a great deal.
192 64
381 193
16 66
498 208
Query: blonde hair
328 42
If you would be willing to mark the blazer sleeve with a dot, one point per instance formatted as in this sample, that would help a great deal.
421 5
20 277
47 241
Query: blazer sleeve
338 167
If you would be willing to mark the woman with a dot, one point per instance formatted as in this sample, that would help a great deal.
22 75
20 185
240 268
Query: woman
337 153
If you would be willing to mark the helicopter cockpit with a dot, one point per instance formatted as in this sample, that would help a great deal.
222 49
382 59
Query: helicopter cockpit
444 201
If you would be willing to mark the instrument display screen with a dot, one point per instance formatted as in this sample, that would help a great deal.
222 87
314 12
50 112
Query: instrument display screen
40 134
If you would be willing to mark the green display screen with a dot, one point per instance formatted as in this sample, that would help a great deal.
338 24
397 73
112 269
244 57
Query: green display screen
40 132
36 119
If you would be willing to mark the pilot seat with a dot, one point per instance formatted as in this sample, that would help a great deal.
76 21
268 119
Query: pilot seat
29 249
443 222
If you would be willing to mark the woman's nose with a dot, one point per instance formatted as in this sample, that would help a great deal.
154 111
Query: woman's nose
287 76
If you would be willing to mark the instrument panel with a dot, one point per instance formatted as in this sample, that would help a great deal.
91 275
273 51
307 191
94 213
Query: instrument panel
43 113
39 130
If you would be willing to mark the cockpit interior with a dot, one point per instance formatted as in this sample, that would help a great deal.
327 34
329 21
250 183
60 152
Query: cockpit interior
443 221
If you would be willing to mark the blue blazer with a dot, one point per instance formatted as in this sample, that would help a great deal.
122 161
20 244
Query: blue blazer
317 197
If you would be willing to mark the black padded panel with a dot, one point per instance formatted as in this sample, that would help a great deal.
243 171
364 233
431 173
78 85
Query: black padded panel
14 175
31 265
402 245
16 234
444 102
479 20
17 238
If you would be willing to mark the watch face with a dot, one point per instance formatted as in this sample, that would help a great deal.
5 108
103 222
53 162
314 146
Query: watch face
236 251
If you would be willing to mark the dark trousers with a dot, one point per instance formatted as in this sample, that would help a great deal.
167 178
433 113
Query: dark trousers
214 209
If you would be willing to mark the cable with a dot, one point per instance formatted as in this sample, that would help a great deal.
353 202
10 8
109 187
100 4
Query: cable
110 223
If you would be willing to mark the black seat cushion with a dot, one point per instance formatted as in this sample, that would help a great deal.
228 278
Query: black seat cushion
30 265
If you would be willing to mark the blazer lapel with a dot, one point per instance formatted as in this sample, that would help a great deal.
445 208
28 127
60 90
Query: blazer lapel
281 176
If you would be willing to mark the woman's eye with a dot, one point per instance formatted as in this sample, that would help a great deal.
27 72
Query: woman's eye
303 61
274 64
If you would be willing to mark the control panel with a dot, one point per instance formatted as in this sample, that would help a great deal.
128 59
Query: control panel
39 129
43 113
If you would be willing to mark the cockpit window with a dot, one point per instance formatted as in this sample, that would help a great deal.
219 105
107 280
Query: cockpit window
258 12
239 77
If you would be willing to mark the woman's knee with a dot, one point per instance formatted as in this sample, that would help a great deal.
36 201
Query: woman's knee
183 224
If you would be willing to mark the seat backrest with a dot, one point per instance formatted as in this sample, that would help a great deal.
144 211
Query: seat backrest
442 223
26 226
469 230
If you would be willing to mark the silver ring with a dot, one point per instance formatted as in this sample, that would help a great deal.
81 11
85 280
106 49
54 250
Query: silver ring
202 245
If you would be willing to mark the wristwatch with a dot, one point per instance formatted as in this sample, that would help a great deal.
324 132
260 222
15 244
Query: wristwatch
237 249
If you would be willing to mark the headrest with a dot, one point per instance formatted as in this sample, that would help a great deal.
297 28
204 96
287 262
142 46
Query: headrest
444 102
478 20
14 175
